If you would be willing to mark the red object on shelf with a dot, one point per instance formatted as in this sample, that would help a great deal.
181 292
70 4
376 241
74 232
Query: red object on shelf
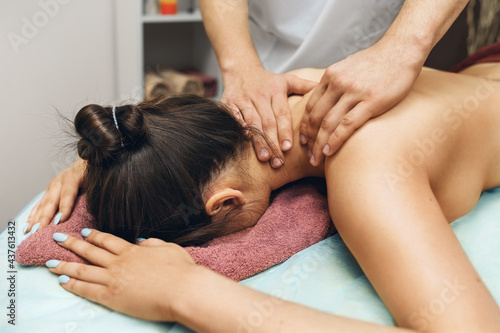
168 7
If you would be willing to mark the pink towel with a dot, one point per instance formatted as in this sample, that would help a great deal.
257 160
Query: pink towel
296 219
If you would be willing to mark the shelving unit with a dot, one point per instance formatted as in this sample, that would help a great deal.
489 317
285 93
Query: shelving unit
179 17
146 41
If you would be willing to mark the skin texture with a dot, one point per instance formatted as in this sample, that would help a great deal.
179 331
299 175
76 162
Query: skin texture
360 87
397 228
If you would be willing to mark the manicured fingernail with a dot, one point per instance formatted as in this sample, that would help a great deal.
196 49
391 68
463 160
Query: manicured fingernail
286 145
303 139
58 237
309 153
86 232
52 263
57 218
25 227
140 239
313 160
277 162
63 279
264 153
34 229
326 150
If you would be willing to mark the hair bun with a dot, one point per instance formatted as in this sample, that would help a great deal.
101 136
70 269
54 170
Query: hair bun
100 139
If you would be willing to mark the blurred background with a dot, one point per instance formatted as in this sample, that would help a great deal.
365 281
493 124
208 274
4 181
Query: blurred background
59 55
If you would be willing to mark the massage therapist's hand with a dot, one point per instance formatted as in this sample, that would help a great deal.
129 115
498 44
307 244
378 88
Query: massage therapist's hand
362 86
261 96
139 280
59 197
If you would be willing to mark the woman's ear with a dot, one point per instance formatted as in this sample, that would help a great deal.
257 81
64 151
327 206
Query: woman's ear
225 198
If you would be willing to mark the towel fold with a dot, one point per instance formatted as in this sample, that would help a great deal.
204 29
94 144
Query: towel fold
297 218
490 53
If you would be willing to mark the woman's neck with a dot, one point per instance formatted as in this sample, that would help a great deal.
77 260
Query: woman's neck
296 160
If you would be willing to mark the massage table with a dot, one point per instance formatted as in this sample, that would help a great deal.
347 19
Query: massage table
324 276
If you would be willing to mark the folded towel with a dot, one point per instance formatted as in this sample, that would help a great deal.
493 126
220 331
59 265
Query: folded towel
490 53
296 219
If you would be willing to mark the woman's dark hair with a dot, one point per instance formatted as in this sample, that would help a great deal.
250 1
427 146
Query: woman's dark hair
146 177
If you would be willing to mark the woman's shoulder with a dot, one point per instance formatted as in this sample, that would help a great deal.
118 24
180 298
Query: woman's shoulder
312 74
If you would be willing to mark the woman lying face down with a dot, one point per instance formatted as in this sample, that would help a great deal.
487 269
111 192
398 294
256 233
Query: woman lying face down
182 170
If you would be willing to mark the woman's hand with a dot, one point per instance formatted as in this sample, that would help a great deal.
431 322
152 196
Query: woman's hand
59 196
261 98
141 281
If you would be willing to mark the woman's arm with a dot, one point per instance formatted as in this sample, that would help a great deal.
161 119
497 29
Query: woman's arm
403 242
128 278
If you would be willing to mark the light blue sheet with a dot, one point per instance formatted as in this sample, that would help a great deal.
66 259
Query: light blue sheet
324 276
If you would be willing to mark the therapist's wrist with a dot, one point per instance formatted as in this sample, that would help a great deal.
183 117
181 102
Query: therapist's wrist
410 52
232 66
239 73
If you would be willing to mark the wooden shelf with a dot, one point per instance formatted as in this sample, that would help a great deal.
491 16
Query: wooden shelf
176 18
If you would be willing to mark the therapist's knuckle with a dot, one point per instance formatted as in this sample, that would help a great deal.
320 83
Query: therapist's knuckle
325 124
315 119
348 121
309 106
336 137
268 123
282 112
331 72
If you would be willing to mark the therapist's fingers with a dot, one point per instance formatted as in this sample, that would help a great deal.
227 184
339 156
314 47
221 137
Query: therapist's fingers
318 115
329 123
283 117
92 253
299 86
318 106
270 130
235 111
349 123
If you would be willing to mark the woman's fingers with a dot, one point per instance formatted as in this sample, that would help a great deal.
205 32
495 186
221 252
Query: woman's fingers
92 291
48 205
111 243
88 273
59 198
92 253
31 217
69 192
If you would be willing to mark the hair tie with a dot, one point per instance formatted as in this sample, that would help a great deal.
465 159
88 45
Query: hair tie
116 123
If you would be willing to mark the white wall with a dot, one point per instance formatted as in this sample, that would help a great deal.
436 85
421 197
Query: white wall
65 63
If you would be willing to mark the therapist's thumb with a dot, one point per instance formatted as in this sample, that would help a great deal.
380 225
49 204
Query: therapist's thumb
299 86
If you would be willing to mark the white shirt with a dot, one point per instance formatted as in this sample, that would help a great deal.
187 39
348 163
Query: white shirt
291 34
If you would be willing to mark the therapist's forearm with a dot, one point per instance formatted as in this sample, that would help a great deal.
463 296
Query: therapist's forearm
226 24
421 24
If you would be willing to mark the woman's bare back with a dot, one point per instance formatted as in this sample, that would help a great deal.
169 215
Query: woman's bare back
447 127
